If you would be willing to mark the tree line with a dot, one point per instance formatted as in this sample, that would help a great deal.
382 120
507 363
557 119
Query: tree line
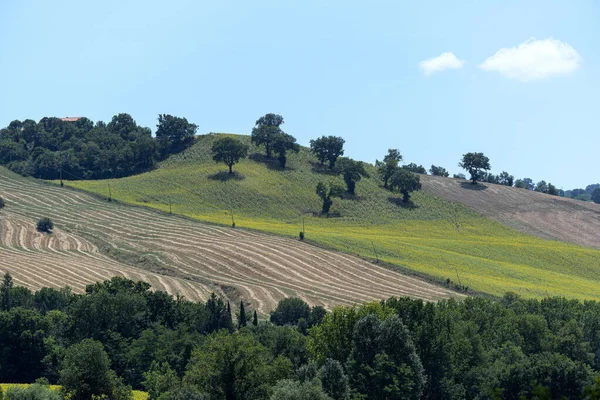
120 335
82 149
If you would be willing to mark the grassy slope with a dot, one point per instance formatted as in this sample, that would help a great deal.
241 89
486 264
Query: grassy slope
437 237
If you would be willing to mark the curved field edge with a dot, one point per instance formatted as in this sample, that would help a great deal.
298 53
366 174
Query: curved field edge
436 237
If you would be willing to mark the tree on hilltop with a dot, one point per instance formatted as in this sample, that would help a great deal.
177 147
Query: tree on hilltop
266 130
352 172
328 148
229 151
388 166
327 193
596 196
475 164
506 179
417 169
438 171
174 133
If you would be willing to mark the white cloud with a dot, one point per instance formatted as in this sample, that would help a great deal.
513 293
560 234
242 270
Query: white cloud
440 63
534 59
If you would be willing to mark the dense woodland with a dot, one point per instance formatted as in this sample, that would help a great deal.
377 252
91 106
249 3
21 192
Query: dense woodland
120 334
82 149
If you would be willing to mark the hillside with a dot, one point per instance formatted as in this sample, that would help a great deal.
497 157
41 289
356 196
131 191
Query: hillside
538 214
95 240
435 237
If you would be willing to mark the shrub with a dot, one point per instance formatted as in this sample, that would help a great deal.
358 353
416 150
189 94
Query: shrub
2 204
45 224
289 311
301 235
31 392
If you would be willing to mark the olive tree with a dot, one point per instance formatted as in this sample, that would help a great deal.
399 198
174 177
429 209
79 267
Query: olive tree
475 164
405 182
388 166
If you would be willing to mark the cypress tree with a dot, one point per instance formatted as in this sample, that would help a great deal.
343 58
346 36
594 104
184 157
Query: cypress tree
228 309
242 316
7 284
255 319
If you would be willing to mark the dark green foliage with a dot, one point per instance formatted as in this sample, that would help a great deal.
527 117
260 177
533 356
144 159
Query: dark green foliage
328 148
282 143
596 196
289 311
2 203
266 130
32 392
45 224
255 319
232 366
405 182
229 151
55 149
388 166
301 235
7 284
351 171
438 171
184 393
160 379
506 179
327 193
475 164
417 169
174 133
242 317
334 380
525 183
293 390
86 372
459 176
547 188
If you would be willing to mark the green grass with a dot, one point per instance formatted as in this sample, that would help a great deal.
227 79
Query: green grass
435 237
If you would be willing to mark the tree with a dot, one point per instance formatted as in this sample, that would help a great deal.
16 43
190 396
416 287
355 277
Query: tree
333 380
293 390
231 366
351 171
438 171
282 143
417 169
405 182
552 190
229 151
255 319
265 131
7 285
327 193
45 224
388 166
242 319
160 379
86 372
596 196
474 164
289 311
328 148
459 176
506 179
174 133
525 183
541 187
2 204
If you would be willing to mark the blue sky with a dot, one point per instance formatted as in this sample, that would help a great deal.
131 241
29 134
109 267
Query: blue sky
342 68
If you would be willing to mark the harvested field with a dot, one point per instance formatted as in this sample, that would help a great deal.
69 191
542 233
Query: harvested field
95 240
539 214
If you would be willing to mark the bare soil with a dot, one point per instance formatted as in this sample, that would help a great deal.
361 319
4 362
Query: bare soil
539 214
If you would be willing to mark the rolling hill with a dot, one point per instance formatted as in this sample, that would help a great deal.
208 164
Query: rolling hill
95 240
434 236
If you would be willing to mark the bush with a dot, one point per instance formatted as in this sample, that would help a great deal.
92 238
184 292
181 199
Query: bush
2 204
301 235
31 392
45 224
289 311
